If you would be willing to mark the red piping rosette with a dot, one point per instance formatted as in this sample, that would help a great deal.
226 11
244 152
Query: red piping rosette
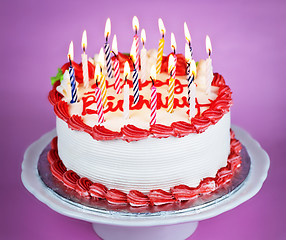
75 122
62 110
82 187
214 115
222 104
70 178
115 196
160 197
184 192
234 160
54 143
161 131
235 146
201 123
137 199
97 190
207 185
218 80
101 133
223 175
54 96
58 169
132 133
53 156
182 128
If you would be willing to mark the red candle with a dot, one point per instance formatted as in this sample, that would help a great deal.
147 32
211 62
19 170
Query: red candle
153 104
98 97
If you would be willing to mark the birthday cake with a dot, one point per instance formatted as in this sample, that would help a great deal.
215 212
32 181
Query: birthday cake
167 140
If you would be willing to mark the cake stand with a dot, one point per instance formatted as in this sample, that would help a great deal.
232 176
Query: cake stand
111 225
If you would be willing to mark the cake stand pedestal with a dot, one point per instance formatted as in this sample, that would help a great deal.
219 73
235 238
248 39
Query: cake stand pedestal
177 225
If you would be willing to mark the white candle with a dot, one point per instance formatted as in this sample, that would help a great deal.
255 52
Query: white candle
209 66
143 57
192 89
84 60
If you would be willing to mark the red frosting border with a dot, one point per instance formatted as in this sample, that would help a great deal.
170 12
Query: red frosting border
199 123
86 188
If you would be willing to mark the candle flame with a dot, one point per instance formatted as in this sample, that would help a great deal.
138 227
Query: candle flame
97 71
193 68
143 36
187 33
153 72
84 40
135 24
161 27
101 58
126 70
133 51
70 53
173 42
171 63
107 28
208 45
114 45
188 54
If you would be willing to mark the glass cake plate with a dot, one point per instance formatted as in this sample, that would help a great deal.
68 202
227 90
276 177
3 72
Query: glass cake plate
125 222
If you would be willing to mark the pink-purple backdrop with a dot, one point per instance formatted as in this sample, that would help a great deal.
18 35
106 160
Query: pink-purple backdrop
248 39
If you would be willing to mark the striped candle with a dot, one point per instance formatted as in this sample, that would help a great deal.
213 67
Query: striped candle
99 105
170 108
135 86
108 60
192 100
116 75
72 75
107 52
153 105
73 84
174 67
102 86
135 24
190 79
161 46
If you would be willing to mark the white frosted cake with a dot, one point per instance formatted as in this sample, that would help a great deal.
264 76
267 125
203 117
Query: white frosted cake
127 158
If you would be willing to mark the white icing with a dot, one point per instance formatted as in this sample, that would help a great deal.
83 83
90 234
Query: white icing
146 164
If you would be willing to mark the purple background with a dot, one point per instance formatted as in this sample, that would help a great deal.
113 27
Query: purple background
248 39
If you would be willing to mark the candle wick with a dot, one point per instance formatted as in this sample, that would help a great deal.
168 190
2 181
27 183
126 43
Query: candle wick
125 79
209 53
135 30
152 81
106 39
114 53
83 48
174 51
96 81
70 61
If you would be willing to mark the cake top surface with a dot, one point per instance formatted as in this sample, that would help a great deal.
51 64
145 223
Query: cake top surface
209 105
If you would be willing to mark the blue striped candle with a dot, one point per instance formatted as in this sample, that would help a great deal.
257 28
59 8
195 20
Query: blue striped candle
135 86
73 84
108 60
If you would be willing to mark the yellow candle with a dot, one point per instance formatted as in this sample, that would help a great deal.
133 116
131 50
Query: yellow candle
171 65
161 46
102 86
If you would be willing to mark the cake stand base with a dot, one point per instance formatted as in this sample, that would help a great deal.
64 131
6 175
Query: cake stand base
167 232
161 225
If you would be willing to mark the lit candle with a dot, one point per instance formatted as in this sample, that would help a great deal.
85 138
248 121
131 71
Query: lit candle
209 66
126 91
135 74
84 60
171 65
143 57
135 24
192 89
72 75
98 96
161 46
174 46
153 102
188 38
190 78
102 83
107 48
116 65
